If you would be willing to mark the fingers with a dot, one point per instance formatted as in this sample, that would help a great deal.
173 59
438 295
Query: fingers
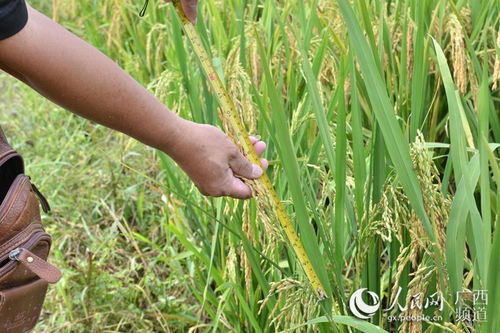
229 183
241 166
260 147
190 8
264 163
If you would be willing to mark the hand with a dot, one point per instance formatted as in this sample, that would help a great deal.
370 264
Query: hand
213 162
190 8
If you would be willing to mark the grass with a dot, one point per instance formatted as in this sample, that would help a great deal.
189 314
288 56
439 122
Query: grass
382 126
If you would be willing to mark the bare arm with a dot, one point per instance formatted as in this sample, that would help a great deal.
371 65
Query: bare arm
78 77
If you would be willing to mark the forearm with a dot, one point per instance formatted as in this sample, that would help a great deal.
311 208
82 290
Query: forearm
78 77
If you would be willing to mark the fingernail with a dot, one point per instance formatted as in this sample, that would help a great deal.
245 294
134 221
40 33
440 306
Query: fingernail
257 171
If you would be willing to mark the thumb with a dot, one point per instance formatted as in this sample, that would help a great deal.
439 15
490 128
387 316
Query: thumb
241 166
238 189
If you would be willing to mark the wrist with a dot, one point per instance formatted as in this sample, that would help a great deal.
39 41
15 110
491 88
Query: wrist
178 130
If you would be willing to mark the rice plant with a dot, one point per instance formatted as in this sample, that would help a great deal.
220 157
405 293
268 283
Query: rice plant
382 124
